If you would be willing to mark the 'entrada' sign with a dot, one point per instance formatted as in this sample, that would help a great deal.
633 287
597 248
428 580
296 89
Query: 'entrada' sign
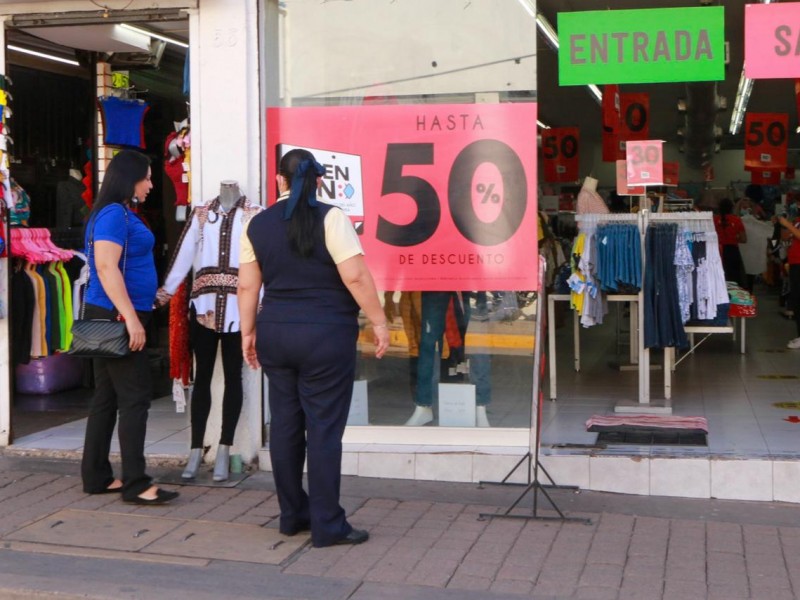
641 46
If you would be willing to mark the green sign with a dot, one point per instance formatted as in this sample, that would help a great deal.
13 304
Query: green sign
641 46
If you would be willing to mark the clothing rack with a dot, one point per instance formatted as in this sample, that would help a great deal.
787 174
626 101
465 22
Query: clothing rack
694 221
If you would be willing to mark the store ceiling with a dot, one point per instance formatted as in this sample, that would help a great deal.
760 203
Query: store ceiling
574 106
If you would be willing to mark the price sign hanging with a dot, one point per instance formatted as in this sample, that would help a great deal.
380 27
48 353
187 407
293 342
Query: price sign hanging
633 124
622 182
560 155
765 176
644 162
671 170
766 140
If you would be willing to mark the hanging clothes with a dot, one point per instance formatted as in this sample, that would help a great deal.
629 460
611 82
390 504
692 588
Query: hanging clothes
663 326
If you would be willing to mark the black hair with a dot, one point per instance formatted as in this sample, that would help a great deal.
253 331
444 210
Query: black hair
304 217
125 170
725 208
754 192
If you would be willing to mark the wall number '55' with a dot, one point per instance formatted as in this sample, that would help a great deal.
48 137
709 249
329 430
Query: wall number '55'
459 193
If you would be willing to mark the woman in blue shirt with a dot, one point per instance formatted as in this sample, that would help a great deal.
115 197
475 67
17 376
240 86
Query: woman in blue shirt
122 285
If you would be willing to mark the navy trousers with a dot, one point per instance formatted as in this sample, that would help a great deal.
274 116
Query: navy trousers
311 368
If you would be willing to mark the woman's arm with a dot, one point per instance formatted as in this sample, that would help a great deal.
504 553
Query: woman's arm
106 260
356 276
787 224
247 296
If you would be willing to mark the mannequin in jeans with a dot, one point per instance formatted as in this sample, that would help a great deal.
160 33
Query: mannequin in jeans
209 246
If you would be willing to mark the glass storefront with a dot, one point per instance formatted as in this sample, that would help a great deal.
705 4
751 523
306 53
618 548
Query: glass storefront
418 111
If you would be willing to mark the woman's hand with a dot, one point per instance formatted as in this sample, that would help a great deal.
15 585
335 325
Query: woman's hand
162 298
381 339
136 333
784 222
249 350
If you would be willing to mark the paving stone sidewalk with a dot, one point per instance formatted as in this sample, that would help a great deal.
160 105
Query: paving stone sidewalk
427 542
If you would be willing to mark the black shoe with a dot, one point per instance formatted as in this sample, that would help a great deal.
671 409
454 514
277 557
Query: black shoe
357 536
299 528
162 497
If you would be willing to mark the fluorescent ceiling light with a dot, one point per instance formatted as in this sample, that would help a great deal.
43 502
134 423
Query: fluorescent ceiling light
595 91
66 61
740 104
152 34
526 4
542 125
547 30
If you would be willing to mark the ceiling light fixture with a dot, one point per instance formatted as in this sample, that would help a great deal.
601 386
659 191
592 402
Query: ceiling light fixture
740 104
529 8
542 125
152 34
742 97
66 61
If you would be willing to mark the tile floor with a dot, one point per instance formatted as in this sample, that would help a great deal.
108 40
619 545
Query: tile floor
736 393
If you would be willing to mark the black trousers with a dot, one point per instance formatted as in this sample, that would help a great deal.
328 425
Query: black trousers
122 386
794 294
204 344
311 369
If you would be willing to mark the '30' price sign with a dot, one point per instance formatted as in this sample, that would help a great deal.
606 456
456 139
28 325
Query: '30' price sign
645 162
442 196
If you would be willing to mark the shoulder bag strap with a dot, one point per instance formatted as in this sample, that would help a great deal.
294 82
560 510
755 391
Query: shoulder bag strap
90 252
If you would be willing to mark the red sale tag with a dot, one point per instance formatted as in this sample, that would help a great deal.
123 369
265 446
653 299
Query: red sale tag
622 182
560 154
766 138
644 162
671 173
444 196
765 176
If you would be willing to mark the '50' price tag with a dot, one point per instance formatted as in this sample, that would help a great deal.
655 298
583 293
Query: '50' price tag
766 140
645 162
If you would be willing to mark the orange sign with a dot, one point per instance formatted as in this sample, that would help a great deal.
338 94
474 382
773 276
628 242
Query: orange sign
622 182
766 137
560 154
671 173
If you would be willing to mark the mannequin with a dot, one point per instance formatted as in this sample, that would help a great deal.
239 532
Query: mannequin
209 246
229 194
589 200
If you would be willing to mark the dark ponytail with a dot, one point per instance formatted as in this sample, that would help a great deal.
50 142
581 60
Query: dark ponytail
301 209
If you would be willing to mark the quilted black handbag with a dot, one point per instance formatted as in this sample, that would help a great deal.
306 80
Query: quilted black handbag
100 338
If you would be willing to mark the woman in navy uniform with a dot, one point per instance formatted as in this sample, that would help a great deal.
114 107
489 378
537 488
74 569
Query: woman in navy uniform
309 259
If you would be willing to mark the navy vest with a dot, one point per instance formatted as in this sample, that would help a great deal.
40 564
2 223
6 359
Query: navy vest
298 290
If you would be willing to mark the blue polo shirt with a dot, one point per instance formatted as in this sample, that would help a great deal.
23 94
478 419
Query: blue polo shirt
141 279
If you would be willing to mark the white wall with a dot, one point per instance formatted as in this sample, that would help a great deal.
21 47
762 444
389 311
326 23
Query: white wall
226 144
5 347
369 47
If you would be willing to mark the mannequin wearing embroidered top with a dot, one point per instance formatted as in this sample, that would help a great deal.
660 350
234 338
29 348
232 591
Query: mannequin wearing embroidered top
228 194
209 246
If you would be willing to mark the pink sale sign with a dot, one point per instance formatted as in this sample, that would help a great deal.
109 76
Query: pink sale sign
442 196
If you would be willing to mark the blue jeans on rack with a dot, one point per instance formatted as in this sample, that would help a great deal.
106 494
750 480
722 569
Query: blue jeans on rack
434 314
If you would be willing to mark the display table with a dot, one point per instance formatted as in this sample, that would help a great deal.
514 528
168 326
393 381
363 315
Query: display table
576 327
738 315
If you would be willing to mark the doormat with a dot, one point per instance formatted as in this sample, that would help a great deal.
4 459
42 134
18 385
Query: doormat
645 437
666 430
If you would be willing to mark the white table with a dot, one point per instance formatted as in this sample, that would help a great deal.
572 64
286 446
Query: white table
576 327
708 330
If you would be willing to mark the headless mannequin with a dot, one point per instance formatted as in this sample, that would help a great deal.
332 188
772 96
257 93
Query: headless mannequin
229 195
76 174
589 200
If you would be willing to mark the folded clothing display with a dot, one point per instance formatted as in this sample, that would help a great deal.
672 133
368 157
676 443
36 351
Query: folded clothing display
638 422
